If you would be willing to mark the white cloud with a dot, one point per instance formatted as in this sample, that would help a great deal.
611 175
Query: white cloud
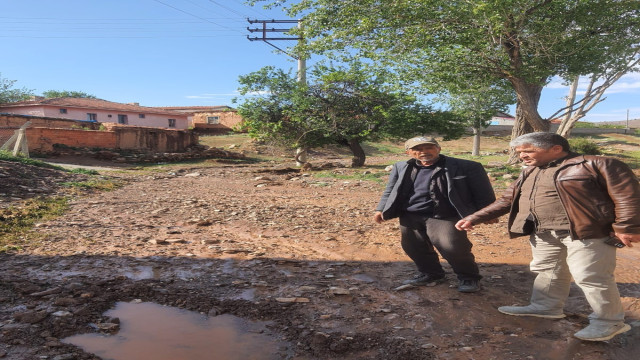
211 96
629 83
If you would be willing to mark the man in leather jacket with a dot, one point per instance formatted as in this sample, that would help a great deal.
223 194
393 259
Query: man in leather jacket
573 207
430 193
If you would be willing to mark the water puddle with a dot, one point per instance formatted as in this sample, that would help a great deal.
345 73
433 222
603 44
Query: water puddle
248 295
142 273
364 278
151 331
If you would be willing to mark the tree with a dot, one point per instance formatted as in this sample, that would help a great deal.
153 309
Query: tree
577 109
8 94
477 107
445 45
66 93
337 105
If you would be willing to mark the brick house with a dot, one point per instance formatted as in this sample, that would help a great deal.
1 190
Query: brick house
209 119
97 110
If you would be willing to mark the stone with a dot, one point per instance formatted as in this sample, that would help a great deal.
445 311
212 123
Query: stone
292 300
338 291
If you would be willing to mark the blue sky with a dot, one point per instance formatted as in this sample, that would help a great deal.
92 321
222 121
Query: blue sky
173 52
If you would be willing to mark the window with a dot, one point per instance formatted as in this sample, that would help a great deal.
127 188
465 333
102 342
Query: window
172 122
63 111
92 117
213 119
122 119
141 116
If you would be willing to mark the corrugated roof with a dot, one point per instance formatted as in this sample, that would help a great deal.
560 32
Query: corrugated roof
92 104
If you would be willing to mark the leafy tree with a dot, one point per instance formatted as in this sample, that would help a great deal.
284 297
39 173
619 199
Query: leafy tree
66 93
9 94
478 106
445 45
337 105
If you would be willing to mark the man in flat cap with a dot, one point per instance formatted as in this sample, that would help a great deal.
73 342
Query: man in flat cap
429 193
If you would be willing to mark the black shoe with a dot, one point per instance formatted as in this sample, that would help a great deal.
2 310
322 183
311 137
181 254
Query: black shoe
424 279
469 285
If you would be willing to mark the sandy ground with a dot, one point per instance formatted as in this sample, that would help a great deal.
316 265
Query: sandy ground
268 243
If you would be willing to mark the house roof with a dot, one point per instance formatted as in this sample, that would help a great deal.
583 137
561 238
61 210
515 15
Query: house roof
197 109
91 104
504 115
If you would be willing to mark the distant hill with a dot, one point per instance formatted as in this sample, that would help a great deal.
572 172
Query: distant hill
635 123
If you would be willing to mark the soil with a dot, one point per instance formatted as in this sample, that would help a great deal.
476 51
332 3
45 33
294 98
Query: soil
267 242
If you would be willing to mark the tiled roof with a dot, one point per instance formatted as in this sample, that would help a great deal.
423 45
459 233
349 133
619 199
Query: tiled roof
92 104
196 109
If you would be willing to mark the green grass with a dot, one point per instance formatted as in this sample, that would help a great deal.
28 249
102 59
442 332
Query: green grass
352 175
8 156
17 221
84 171
224 141
589 125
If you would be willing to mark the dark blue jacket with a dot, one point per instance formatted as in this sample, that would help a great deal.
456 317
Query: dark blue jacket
468 187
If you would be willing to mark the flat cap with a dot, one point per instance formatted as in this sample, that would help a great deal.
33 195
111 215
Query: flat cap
419 141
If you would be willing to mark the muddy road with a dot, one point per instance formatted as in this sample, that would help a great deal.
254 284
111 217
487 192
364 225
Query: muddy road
296 251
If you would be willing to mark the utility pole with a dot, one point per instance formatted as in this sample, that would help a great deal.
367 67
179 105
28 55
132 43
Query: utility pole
627 120
301 153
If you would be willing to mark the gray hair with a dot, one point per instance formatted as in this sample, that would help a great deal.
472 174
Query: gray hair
541 140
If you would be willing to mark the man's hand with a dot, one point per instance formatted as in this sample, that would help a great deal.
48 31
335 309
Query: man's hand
464 225
627 239
377 217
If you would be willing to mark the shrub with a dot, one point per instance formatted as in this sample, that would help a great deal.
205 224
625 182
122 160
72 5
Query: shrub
584 146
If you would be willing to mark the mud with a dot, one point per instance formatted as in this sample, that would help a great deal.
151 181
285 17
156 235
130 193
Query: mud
295 251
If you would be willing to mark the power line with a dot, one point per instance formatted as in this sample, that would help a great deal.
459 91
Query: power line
250 8
227 8
196 16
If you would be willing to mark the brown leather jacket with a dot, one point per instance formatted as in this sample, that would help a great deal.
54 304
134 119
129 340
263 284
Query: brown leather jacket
598 194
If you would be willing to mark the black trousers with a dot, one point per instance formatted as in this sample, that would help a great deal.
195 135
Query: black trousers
421 234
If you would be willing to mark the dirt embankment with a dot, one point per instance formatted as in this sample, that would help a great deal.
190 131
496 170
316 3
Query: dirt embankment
299 251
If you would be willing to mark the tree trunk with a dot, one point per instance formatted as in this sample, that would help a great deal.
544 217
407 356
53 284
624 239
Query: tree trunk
476 141
358 153
565 126
301 156
527 117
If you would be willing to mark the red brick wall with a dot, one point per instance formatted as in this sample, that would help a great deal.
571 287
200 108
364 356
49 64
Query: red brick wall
41 137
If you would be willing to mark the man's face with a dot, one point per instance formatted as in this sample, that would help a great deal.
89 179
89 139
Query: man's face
533 156
427 154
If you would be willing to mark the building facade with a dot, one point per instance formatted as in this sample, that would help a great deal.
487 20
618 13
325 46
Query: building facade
97 110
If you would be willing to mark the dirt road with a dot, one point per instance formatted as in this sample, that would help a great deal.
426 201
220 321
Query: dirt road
299 251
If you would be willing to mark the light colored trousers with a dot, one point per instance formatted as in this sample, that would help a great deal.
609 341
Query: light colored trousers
591 262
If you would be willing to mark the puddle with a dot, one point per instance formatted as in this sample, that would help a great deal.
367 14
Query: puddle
142 273
364 278
151 331
249 295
